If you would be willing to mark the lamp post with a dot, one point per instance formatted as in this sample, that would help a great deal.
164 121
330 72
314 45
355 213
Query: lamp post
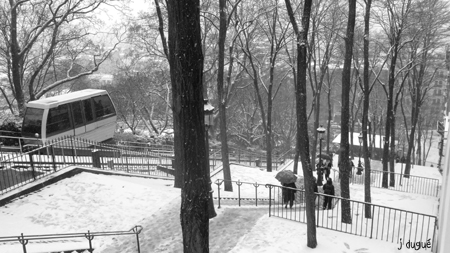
360 169
320 131
208 109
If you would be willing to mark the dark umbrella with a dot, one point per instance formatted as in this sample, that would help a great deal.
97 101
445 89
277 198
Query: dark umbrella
324 156
286 177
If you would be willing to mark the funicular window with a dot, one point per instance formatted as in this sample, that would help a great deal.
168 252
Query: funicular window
88 110
32 122
77 114
58 119
103 106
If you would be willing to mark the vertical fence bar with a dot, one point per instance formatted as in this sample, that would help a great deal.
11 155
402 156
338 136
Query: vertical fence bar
73 150
218 191
32 165
270 200
52 150
239 191
90 238
24 242
137 230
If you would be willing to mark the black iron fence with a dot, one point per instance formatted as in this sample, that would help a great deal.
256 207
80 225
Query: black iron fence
367 220
20 168
244 157
413 184
63 242
244 193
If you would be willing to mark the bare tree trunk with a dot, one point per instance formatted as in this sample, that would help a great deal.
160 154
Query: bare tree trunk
302 144
221 97
178 153
392 155
344 167
365 117
16 62
330 118
149 118
419 141
390 112
186 71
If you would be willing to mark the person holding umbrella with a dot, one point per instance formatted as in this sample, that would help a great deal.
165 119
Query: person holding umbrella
288 194
287 178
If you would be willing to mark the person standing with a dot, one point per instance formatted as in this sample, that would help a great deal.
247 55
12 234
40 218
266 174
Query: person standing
328 170
315 185
288 194
328 189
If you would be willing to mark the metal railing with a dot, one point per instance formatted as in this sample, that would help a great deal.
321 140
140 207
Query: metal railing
385 223
244 157
18 169
22 241
19 143
260 195
413 184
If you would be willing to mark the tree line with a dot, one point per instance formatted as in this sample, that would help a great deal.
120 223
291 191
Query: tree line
274 70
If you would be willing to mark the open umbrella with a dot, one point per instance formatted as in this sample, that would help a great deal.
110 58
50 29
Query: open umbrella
324 156
286 177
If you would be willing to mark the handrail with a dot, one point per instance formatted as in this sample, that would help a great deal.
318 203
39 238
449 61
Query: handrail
413 184
90 236
366 219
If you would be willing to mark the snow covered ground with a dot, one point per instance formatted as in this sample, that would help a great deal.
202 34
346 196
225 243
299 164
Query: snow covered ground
103 203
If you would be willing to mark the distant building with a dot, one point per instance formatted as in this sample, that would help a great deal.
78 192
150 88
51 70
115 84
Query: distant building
375 144
100 80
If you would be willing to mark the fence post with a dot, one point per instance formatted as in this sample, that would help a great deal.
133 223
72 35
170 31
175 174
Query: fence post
90 238
256 192
24 242
111 164
52 150
371 227
239 191
270 199
126 160
96 158
218 190
318 207
73 150
137 231
32 165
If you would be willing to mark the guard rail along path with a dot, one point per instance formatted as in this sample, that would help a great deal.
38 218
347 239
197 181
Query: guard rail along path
41 243
385 223
30 163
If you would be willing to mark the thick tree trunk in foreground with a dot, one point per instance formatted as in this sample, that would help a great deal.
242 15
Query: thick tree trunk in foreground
186 71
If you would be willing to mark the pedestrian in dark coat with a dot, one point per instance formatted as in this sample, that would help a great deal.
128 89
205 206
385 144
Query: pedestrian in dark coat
328 189
315 185
328 170
289 194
